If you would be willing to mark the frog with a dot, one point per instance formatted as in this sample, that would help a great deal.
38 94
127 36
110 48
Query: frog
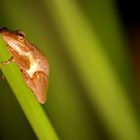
32 63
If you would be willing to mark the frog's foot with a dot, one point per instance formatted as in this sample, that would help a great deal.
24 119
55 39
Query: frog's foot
7 61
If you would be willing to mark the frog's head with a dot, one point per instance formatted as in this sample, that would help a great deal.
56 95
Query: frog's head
15 39
12 35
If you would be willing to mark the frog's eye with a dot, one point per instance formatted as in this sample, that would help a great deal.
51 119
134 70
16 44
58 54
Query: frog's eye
21 35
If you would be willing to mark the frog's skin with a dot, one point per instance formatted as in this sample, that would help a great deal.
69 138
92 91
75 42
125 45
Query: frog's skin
32 63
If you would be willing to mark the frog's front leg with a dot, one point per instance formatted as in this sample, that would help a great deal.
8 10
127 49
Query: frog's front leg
12 52
7 61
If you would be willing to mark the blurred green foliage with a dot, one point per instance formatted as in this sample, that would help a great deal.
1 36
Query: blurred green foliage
91 91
